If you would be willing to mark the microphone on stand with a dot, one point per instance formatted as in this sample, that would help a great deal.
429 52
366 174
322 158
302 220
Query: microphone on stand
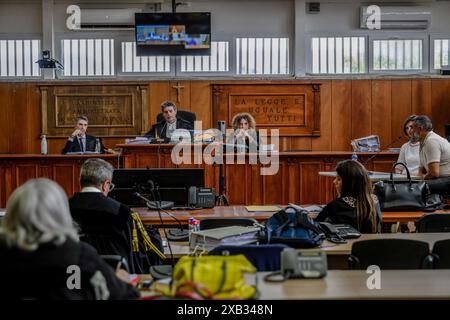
381 150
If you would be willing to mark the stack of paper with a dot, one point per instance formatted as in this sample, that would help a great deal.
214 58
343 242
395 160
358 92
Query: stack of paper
235 235
137 140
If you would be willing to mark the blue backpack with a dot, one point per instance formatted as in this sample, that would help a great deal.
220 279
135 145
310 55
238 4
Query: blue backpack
294 228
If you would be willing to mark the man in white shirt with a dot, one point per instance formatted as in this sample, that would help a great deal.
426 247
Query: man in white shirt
434 154
165 128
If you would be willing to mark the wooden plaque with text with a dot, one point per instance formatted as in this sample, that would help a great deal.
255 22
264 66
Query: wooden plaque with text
113 110
294 109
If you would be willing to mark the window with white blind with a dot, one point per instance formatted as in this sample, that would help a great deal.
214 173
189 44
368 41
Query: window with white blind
88 57
18 58
338 55
218 61
265 56
134 64
441 53
397 55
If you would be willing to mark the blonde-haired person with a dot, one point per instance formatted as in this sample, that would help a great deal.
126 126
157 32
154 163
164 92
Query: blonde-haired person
244 126
41 256
355 204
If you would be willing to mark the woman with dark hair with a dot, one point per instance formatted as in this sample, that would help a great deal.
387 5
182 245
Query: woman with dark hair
409 152
355 204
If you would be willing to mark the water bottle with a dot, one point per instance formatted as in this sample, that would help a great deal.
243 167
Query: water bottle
354 156
44 144
97 145
191 224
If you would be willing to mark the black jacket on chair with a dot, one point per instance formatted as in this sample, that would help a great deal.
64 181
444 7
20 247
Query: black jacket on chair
74 146
106 224
161 128
44 273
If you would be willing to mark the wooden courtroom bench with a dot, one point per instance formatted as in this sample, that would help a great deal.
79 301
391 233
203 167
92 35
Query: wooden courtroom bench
337 254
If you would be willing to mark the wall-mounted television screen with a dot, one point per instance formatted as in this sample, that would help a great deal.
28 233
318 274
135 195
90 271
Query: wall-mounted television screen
173 33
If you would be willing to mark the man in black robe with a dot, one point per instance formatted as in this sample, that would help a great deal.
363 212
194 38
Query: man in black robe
163 130
106 223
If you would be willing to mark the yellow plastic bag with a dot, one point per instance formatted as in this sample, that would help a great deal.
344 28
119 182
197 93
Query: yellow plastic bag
212 277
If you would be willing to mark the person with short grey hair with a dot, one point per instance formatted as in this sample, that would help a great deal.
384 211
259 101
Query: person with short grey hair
104 222
97 173
38 238
165 128
434 155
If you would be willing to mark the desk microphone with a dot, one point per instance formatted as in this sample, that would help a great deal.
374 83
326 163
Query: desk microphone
381 150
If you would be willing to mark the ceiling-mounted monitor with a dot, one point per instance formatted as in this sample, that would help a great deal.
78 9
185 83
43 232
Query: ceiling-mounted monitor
173 33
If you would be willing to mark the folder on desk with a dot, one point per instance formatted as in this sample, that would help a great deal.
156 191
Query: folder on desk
262 208
235 235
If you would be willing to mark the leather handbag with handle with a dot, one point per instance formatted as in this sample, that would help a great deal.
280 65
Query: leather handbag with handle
401 195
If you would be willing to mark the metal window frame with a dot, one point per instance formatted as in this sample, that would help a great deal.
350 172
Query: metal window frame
413 35
15 37
86 36
432 38
291 68
209 74
309 55
136 75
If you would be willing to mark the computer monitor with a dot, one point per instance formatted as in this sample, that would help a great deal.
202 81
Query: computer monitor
172 183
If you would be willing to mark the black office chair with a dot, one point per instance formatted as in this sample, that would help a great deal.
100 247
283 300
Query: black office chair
265 257
436 222
390 254
186 115
211 223
441 254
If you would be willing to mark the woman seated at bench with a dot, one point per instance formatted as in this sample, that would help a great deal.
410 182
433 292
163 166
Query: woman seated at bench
355 204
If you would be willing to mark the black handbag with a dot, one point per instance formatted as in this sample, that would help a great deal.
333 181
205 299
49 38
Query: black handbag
402 195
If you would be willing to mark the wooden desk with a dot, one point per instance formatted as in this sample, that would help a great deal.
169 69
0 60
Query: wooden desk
238 211
297 177
16 169
152 217
351 284
337 254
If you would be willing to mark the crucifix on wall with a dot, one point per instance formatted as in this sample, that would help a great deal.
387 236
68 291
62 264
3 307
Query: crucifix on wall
178 87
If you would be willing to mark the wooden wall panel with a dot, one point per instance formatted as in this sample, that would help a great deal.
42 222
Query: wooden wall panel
65 176
323 143
183 100
349 108
381 111
273 187
25 172
292 182
440 90
300 143
401 107
361 108
19 117
309 181
5 122
421 96
201 103
159 91
236 178
341 115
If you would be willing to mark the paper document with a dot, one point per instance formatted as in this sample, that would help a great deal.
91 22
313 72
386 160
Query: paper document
235 235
